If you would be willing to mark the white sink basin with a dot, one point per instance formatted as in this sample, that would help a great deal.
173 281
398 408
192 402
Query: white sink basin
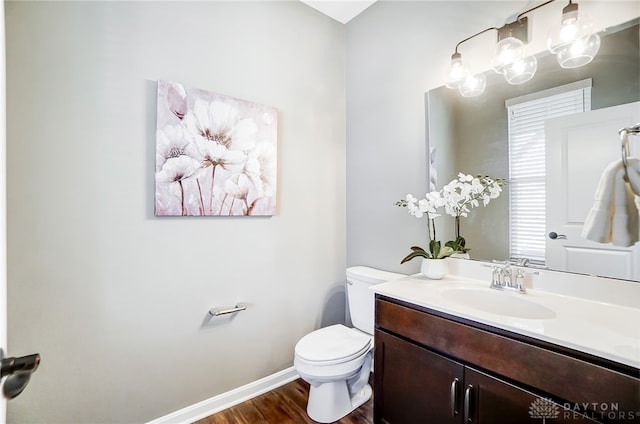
497 302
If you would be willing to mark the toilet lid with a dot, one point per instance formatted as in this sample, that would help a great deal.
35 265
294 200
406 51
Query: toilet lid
332 343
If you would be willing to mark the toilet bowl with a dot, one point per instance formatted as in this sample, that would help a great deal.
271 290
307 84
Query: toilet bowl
337 360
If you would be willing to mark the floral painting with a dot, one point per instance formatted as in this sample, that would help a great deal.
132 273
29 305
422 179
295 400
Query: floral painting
215 154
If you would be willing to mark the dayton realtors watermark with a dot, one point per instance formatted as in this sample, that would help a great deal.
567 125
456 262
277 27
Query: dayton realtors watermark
542 408
595 410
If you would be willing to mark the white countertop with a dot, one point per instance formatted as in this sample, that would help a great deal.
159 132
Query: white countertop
603 329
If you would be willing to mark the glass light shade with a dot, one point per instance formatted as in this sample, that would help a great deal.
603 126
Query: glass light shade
457 72
473 85
579 53
521 71
573 40
508 50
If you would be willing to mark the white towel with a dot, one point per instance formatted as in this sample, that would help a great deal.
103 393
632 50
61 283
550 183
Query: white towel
633 172
614 217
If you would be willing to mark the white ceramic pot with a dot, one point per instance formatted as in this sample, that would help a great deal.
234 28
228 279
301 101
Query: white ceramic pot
434 269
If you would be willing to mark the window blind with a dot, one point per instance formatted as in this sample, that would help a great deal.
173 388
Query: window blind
527 163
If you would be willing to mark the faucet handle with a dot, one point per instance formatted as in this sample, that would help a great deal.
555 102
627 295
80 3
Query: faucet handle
520 280
507 276
496 276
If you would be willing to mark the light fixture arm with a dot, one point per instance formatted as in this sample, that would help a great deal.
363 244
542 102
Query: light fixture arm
508 26
473 36
534 8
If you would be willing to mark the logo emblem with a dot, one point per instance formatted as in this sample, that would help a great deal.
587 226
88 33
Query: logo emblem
544 408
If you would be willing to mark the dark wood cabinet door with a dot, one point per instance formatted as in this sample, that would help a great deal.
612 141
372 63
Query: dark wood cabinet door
493 401
414 385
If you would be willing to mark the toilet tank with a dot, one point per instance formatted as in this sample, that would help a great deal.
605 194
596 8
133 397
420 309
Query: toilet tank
361 298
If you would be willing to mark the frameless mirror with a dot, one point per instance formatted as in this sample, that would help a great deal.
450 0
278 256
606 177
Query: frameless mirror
470 135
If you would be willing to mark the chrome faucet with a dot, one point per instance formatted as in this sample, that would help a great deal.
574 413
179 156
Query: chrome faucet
503 278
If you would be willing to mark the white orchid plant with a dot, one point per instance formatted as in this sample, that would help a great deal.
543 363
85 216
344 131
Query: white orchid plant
457 198
426 207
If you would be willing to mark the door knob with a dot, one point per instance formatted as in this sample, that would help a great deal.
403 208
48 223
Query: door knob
553 236
18 372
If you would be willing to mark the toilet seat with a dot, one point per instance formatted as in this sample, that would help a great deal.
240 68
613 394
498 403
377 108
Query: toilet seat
332 345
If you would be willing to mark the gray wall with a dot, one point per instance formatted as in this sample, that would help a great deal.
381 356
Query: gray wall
114 299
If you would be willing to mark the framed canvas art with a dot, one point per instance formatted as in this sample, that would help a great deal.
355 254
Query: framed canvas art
215 155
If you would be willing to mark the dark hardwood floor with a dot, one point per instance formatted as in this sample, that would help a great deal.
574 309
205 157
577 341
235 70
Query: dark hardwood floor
285 405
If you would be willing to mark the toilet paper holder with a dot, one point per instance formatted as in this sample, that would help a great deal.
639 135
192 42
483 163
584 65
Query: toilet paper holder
218 311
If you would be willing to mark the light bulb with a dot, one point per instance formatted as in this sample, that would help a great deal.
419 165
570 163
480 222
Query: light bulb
521 71
508 50
473 85
457 72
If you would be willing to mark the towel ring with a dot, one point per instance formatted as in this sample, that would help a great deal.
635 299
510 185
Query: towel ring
624 137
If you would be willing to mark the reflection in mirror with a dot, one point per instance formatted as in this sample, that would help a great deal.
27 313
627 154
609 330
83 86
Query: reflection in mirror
471 135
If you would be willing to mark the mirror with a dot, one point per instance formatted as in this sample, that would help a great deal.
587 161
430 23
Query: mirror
470 135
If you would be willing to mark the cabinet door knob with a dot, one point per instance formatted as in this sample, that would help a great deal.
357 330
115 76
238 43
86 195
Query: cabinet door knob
467 404
454 397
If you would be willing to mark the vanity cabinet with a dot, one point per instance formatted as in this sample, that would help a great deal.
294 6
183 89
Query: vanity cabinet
434 368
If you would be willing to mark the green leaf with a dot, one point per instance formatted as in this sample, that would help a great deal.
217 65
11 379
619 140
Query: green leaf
458 245
461 242
434 248
445 252
415 254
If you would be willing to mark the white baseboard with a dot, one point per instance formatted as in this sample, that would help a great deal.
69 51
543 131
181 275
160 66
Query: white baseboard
228 399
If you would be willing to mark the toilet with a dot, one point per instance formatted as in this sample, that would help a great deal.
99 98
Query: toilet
336 361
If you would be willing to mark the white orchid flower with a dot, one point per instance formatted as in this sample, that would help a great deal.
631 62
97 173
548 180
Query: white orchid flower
412 206
464 178
436 199
495 190
466 191
477 185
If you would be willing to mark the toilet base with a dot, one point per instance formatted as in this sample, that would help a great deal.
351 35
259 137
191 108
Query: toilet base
328 402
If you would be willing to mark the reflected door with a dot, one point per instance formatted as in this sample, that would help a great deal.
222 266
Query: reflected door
579 147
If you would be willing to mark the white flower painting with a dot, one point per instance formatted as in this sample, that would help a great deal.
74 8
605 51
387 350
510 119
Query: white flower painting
215 155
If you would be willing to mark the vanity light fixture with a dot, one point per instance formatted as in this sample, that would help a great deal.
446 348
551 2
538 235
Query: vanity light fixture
510 60
573 41
510 47
459 77
457 72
